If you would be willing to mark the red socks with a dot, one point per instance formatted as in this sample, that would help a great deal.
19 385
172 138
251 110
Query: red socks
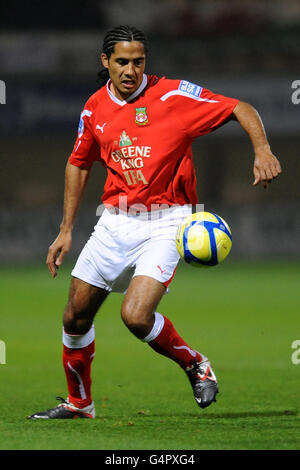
79 350
165 340
78 353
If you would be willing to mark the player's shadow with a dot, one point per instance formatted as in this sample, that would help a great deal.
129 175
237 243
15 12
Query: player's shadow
248 414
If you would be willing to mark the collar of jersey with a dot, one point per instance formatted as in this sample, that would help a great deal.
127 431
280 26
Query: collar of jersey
131 97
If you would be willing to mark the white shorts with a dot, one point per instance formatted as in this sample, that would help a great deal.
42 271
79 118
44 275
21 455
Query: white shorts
123 246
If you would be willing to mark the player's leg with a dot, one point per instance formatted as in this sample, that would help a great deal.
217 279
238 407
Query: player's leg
141 299
79 339
98 263
78 351
83 304
139 315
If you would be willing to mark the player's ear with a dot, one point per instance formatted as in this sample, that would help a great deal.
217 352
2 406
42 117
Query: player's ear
104 60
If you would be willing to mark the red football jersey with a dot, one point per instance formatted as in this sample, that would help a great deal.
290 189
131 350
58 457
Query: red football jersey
145 141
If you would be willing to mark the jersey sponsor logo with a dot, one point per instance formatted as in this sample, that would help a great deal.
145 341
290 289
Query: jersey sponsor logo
131 159
124 139
131 151
141 118
132 163
190 88
135 177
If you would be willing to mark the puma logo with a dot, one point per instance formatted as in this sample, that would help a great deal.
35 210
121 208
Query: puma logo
101 127
161 270
192 353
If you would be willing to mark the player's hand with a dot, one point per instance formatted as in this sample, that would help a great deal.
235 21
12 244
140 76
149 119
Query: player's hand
57 251
266 168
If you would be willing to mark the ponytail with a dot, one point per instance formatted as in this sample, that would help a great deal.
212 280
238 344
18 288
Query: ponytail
103 77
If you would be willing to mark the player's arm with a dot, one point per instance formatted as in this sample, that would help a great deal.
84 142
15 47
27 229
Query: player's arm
75 183
266 167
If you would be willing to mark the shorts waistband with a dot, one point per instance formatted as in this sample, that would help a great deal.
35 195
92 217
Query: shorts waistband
150 215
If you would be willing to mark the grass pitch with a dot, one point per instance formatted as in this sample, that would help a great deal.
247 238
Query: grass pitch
244 317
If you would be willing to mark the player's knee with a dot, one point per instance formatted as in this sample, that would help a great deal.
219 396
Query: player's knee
75 322
136 321
80 310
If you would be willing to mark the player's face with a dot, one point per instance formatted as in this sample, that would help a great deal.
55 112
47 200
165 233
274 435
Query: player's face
126 66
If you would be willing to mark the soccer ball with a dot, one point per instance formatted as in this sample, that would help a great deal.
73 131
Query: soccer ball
203 239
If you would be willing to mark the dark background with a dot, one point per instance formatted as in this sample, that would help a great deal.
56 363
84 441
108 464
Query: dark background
49 58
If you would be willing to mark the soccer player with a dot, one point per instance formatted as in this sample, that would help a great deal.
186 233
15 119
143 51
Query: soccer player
140 127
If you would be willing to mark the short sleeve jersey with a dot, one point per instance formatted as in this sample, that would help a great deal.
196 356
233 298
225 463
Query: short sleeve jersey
145 141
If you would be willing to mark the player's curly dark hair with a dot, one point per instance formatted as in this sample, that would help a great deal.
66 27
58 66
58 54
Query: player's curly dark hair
114 35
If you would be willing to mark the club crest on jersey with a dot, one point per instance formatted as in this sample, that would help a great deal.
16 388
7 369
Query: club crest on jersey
141 117
124 140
